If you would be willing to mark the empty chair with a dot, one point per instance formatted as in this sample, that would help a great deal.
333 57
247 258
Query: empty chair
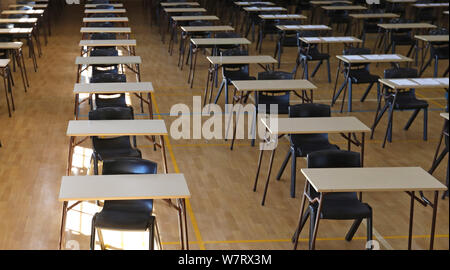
438 157
356 74
266 27
425 14
230 73
401 37
438 51
339 17
400 100
112 148
126 215
109 100
338 205
309 53
303 144
286 39
102 68
370 25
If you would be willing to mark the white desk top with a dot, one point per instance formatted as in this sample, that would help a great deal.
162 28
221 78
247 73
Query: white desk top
244 4
374 58
116 128
123 187
107 42
112 88
118 5
374 15
248 59
372 179
27 12
213 28
174 4
435 5
259 9
314 40
19 20
354 7
444 115
41 6
178 10
219 41
329 2
273 85
282 17
11 45
406 25
313 125
106 60
4 62
432 38
303 27
116 10
416 83
105 19
126 30
195 18
16 30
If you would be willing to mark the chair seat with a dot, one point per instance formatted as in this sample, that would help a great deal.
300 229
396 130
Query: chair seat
102 101
117 147
342 206
410 103
440 52
362 76
237 75
289 41
402 40
306 144
316 56
133 215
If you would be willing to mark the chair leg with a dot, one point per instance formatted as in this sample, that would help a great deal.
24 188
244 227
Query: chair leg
92 244
151 237
100 238
411 119
378 118
219 91
353 229
438 160
316 68
425 66
312 222
328 70
283 166
436 61
369 229
425 124
364 96
293 173
302 224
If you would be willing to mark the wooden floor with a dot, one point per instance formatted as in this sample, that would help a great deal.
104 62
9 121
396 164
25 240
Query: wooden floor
224 212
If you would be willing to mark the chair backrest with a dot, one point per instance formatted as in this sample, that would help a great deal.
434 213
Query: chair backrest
331 159
235 52
101 24
394 73
227 35
129 166
103 36
438 31
308 110
280 98
357 51
110 7
112 113
400 31
108 77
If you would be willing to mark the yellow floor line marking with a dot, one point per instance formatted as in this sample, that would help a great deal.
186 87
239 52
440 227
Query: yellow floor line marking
432 101
177 170
306 239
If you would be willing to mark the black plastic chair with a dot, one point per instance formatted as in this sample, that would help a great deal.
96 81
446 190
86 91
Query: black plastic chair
339 205
96 69
232 73
126 215
311 53
286 39
356 74
401 37
339 17
109 100
426 14
116 147
400 100
370 25
438 51
303 144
